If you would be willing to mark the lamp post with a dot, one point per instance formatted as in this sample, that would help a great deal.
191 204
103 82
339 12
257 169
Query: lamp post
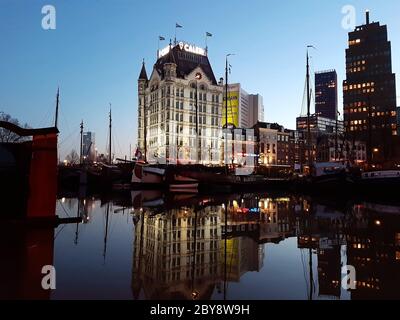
375 151
198 77
226 108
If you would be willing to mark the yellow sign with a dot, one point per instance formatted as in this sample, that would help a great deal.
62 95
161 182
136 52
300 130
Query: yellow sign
233 110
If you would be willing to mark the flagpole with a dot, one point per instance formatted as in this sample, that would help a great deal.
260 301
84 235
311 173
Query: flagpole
207 35
176 27
175 35
160 38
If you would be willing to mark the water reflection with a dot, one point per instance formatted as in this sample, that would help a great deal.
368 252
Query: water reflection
148 245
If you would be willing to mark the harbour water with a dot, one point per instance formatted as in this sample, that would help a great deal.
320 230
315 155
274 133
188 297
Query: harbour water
148 245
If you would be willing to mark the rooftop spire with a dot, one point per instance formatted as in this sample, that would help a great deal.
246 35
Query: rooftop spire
143 73
367 16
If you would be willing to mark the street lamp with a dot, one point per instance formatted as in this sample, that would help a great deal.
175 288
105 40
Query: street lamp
375 151
197 77
226 107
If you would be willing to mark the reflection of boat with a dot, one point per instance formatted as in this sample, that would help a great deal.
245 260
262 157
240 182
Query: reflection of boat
184 188
325 212
382 208
140 198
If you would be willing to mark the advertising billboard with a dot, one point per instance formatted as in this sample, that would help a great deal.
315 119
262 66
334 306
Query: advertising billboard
233 110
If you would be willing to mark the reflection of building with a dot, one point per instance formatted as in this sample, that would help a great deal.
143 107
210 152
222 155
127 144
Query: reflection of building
320 232
373 248
371 235
326 95
244 110
275 220
243 254
88 146
175 256
265 219
243 251
329 271
167 107
369 91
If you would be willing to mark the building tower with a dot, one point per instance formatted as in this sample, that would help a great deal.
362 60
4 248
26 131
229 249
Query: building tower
326 95
369 91
181 92
142 84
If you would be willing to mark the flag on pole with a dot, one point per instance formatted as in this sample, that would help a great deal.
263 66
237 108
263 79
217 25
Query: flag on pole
178 25
161 38
208 34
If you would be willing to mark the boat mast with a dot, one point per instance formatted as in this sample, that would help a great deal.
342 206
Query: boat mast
81 148
78 215
308 113
106 233
310 262
194 293
57 106
226 111
225 248
109 143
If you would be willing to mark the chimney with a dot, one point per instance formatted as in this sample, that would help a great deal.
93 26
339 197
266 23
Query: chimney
367 16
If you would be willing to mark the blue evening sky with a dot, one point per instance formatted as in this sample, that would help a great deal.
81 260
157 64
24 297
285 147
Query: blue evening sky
95 54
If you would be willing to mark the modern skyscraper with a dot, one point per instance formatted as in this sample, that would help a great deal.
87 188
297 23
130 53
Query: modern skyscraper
369 91
398 121
326 95
244 109
88 146
180 107
257 106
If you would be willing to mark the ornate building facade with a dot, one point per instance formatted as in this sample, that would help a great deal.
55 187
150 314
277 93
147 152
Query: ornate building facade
180 108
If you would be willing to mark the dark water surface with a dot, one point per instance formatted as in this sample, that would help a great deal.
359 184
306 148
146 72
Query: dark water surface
147 245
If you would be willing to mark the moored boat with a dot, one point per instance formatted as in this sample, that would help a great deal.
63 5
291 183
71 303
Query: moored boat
386 181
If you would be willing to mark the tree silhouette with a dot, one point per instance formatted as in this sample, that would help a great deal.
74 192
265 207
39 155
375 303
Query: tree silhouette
7 135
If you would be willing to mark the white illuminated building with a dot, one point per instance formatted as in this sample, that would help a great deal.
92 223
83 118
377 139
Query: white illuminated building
167 108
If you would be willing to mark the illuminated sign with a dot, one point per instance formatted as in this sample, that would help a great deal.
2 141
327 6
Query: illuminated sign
163 52
184 47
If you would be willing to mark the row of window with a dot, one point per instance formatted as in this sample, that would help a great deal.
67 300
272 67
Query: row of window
350 59
374 127
180 105
358 86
